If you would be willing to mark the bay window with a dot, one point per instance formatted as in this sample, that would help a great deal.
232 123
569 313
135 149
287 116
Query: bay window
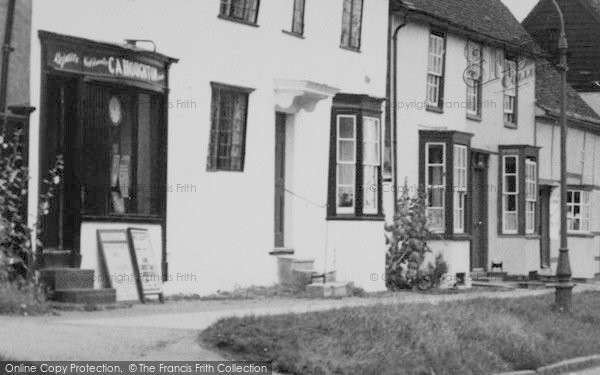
578 211
444 174
517 212
355 159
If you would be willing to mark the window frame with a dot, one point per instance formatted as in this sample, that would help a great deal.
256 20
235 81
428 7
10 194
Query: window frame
450 139
441 75
474 90
531 194
212 164
523 153
227 15
350 44
507 97
353 163
460 192
506 194
359 107
583 207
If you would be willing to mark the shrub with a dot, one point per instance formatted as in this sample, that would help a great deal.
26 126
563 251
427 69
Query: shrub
407 239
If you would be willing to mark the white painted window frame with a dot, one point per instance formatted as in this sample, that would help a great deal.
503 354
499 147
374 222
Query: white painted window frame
435 68
428 186
506 194
459 191
376 165
474 86
345 210
584 211
530 195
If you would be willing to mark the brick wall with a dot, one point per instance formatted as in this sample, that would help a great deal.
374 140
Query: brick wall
18 88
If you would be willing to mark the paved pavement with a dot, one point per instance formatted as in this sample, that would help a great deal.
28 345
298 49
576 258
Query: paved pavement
170 331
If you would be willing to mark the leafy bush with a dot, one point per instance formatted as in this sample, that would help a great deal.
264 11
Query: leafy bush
407 239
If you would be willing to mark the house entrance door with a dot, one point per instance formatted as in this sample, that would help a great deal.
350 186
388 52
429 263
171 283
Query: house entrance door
479 211
280 179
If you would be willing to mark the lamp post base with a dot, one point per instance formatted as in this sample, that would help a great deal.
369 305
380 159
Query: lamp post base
564 296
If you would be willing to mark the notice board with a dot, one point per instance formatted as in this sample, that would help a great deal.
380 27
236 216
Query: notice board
147 273
117 263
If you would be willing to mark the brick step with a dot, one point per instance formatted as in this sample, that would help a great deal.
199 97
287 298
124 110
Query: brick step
67 278
52 258
93 296
286 266
330 290
308 276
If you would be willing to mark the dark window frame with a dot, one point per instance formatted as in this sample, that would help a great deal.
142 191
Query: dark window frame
523 153
359 106
349 45
439 108
213 163
226 12
449 139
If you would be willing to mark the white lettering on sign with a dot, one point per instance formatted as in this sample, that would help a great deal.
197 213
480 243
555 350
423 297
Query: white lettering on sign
64 59
132 69
92 62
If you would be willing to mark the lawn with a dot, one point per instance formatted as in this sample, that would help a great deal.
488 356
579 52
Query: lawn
481 336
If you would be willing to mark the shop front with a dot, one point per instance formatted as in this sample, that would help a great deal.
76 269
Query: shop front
104 108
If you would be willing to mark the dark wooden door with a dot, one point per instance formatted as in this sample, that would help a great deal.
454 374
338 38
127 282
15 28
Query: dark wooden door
279 179
544 222
60 137
479 212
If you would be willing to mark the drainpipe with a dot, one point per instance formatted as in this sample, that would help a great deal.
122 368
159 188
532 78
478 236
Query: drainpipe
394 107
6 50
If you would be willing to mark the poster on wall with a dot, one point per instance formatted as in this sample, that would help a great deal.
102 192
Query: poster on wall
117 264
148 275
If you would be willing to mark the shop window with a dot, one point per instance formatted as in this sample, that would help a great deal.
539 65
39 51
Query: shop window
240 10
228 128
578 211
122 153
510 83
518 193
435 70
355 166
298 17
352 24
444 174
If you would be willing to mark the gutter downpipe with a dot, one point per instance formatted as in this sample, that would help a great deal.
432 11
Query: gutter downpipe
393 107
6 51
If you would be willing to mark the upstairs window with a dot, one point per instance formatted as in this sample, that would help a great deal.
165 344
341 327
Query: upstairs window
510 84
298 17
435 70
578 211
352 24
240 10
474 78
228 128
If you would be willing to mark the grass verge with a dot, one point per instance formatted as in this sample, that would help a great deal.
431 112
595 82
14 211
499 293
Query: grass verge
22 299
480 336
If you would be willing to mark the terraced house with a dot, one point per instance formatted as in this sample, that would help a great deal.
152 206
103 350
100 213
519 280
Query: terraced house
239 172
462 83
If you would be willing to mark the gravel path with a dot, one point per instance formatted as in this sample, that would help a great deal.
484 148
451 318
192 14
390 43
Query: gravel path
170 331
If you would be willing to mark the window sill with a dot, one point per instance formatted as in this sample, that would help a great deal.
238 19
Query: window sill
474 117
510 126
519 235
294 34
122 218
452 237
431 108
580 235
356 218
351 49
236 20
